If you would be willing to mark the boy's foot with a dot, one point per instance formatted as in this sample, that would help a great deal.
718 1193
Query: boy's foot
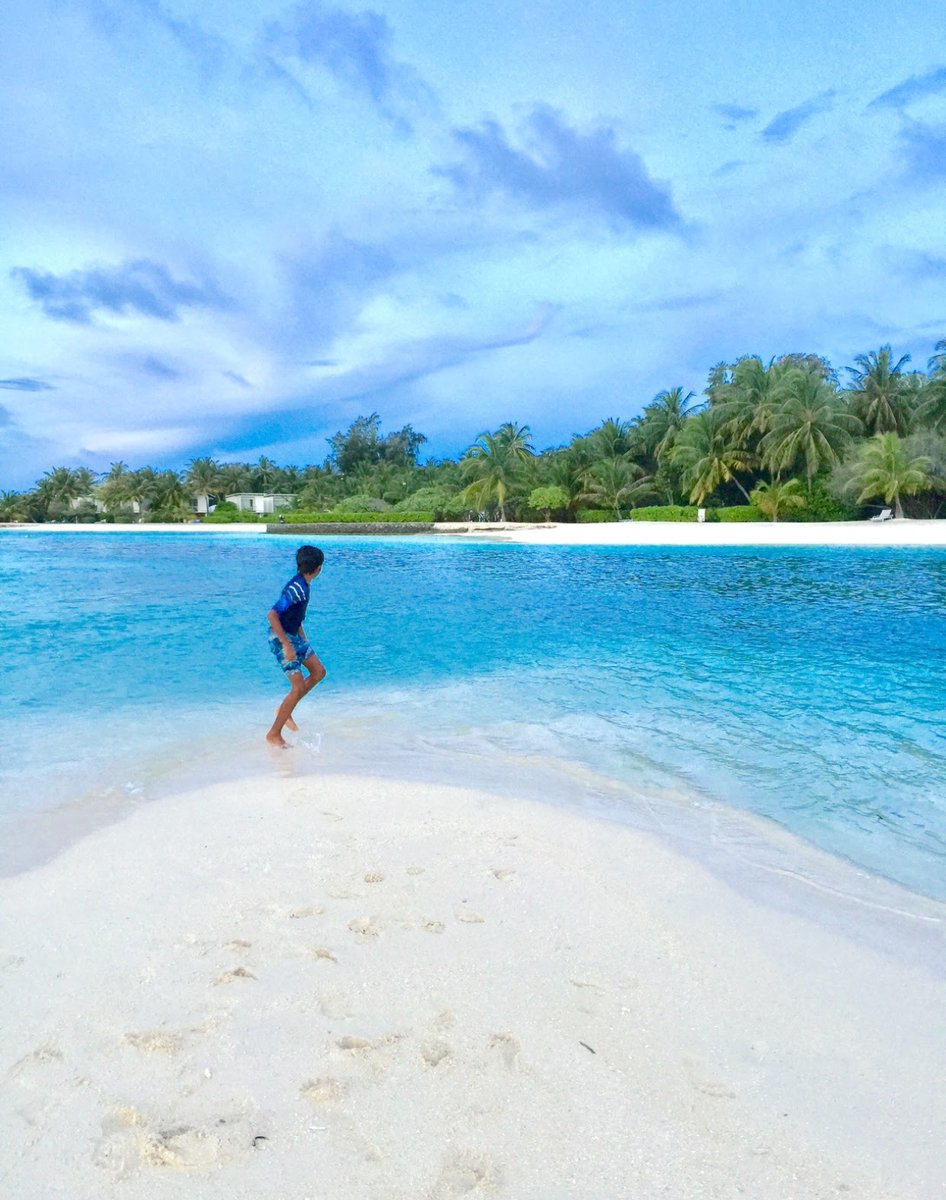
277 739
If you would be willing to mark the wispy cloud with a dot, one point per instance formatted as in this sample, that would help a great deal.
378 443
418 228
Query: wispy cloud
123 18
924 150
735 114
354 47
143 287
917 87
403 364
26 385
329 284
564 167
784 126
157 368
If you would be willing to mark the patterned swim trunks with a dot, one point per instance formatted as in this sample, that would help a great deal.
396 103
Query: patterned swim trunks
302 651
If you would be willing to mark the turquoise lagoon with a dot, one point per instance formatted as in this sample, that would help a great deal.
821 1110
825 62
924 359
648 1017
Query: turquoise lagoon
804 686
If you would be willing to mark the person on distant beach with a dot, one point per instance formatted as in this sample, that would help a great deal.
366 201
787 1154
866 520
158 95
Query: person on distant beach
288 641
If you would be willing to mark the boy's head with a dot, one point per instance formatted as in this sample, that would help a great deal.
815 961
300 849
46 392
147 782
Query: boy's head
309 560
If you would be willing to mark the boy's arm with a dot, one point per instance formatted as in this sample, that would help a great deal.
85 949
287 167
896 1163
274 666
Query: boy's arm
276 626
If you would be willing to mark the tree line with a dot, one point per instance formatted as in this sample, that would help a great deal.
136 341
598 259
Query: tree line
785 437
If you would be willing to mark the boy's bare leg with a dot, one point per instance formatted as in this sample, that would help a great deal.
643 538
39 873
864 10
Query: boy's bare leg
297 690
298 687
316 673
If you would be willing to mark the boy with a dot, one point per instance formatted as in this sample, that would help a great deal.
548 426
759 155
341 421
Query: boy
288 641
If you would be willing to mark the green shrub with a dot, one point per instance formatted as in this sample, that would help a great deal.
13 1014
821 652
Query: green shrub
231 515
823 505
361 504
362 518
665 512
593 516
738 513
442 503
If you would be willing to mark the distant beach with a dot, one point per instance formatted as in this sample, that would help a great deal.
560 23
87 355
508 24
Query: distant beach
749 533
611 533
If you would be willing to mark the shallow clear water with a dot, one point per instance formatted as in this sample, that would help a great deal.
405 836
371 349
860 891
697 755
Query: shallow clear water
801 684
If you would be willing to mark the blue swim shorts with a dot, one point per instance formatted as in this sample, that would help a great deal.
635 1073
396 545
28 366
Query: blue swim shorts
302 651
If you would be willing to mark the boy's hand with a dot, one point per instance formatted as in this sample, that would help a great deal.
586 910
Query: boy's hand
289 650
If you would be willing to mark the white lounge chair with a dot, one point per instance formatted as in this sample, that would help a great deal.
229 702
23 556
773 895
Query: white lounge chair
884 515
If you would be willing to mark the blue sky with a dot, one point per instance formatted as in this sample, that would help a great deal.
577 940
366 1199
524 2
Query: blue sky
230 227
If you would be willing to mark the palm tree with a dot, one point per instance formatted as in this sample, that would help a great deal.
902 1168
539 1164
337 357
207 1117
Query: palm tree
880 397
932 410
234 478
886 469
114 490
567 470
706 457
811 427
202 478
752 398
773 498
613 481
168 497
142 487
662 420
13 506
611 439
265 474
494 463
61 487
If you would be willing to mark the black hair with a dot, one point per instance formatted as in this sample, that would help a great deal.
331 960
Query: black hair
309 559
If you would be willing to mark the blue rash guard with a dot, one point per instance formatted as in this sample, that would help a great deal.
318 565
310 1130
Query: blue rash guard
292 604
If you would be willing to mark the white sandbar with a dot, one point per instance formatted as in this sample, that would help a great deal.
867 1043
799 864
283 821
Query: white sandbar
353 988
691 533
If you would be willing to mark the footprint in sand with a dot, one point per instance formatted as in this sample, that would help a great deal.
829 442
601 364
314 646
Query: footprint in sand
156 1041
467 916
238 946
232 976
335 1005
364 928
719 1090
313 910
507 1047
320 952
435 1053
433 926
365 1048
503 873
130 1140
41 1056
185 1148
353 1043
326 1092
463 1174
374 877
415 870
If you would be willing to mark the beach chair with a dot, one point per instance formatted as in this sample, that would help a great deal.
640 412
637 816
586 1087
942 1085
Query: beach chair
885 514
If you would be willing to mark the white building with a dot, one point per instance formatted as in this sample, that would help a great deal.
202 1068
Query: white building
261 503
